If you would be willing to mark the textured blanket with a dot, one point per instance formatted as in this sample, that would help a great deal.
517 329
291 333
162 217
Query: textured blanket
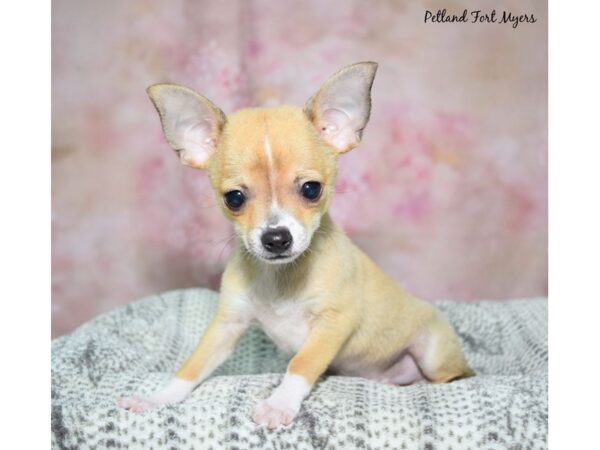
138 347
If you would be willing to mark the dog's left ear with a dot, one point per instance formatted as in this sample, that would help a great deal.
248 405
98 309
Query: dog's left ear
340 109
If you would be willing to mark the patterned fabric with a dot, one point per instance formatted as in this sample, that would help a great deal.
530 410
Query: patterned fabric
137 348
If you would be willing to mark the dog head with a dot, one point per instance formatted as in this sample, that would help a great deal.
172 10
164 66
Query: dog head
272 169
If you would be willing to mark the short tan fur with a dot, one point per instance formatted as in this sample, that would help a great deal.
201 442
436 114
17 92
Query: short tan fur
322 299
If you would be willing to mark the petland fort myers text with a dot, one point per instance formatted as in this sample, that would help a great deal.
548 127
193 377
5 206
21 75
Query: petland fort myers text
479 16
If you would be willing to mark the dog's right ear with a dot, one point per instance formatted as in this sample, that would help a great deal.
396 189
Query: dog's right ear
192 124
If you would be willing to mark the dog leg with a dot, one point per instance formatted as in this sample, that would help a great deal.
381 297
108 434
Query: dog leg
322 345
214 348
438 353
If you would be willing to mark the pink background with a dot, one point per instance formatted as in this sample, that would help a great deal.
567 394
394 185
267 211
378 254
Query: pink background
448 192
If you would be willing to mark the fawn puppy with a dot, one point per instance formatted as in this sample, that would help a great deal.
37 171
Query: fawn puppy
293 271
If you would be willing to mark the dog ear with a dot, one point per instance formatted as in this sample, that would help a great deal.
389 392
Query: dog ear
340 109
192 124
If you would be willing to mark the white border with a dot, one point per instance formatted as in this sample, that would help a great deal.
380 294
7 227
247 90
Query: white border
574 224
25 224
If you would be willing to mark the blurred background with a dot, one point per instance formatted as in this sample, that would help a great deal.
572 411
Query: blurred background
448 191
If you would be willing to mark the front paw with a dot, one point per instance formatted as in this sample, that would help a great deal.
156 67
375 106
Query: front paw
137 404
173 392
272 414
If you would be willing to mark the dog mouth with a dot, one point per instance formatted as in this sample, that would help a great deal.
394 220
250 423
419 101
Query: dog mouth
261 254
279 259
276 257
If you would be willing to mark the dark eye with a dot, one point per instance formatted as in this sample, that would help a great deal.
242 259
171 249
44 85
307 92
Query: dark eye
234 199
311 190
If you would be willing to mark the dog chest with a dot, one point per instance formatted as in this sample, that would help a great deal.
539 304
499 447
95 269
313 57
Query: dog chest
284 321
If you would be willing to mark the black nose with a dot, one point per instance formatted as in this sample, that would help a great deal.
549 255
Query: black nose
277 240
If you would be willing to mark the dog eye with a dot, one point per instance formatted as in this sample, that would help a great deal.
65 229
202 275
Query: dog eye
234 199
311 190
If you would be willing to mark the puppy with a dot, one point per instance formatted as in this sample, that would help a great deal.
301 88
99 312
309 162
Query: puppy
293 271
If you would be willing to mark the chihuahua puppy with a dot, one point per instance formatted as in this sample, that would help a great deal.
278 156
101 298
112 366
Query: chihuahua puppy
293 271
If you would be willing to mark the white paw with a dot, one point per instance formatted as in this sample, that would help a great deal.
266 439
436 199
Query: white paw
174 392
137 404
273 415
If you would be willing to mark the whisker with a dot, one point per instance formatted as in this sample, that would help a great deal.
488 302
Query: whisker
232 237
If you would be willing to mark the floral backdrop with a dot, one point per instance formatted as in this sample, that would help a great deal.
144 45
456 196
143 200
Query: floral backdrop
448 192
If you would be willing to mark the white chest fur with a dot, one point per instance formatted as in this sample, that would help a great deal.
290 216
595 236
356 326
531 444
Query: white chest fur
283 317
284 321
